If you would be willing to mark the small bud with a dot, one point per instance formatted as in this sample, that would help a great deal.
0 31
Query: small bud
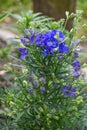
25 83
42 129
67 14
12 103
49 115
83 37
41 109
84 25
79 99
31 91
56 117
37 116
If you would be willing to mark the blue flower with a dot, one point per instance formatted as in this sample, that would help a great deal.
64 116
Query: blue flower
31 91
76 73
39 38
43 90
75 54
45 53
55 84
75 42
35 83
76 64
50 34
49 41
68 91
43 80
64 49
61 35
32 39
23 52
31 36
60 57
25 40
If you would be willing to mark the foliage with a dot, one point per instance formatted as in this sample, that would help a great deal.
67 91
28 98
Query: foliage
47 86
13 5
3 16
82 4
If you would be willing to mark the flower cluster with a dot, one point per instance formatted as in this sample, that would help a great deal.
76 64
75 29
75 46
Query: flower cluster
76 66
23 52
68 91
50 42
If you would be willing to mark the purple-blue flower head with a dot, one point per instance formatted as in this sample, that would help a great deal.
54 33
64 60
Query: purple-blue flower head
25 41
45 53
75 42
43 80
39 38
75 54
36 83
31 36
61 35
60 57
23 52
75 73
43 90
50 34
69 91
55 84
76 64
31 91
64 49
50 42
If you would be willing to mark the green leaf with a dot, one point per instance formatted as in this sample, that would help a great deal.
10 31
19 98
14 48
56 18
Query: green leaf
16 16
2 17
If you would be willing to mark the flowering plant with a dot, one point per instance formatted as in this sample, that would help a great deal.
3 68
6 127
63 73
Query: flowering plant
47 96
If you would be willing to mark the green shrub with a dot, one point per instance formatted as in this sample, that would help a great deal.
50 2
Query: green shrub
46 94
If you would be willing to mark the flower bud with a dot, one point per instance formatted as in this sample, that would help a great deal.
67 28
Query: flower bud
41 109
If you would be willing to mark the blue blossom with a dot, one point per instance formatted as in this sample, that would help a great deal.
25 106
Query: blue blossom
45 53
43 80
76 64
23 52
60 57
29 38
75 42
69 91
49 41
55 84
39 38
25 40
64 49
31 91
35 83
32 39
43 90
75 54
75 73
61 36
50 34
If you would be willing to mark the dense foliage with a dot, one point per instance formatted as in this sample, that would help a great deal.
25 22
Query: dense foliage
47 88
